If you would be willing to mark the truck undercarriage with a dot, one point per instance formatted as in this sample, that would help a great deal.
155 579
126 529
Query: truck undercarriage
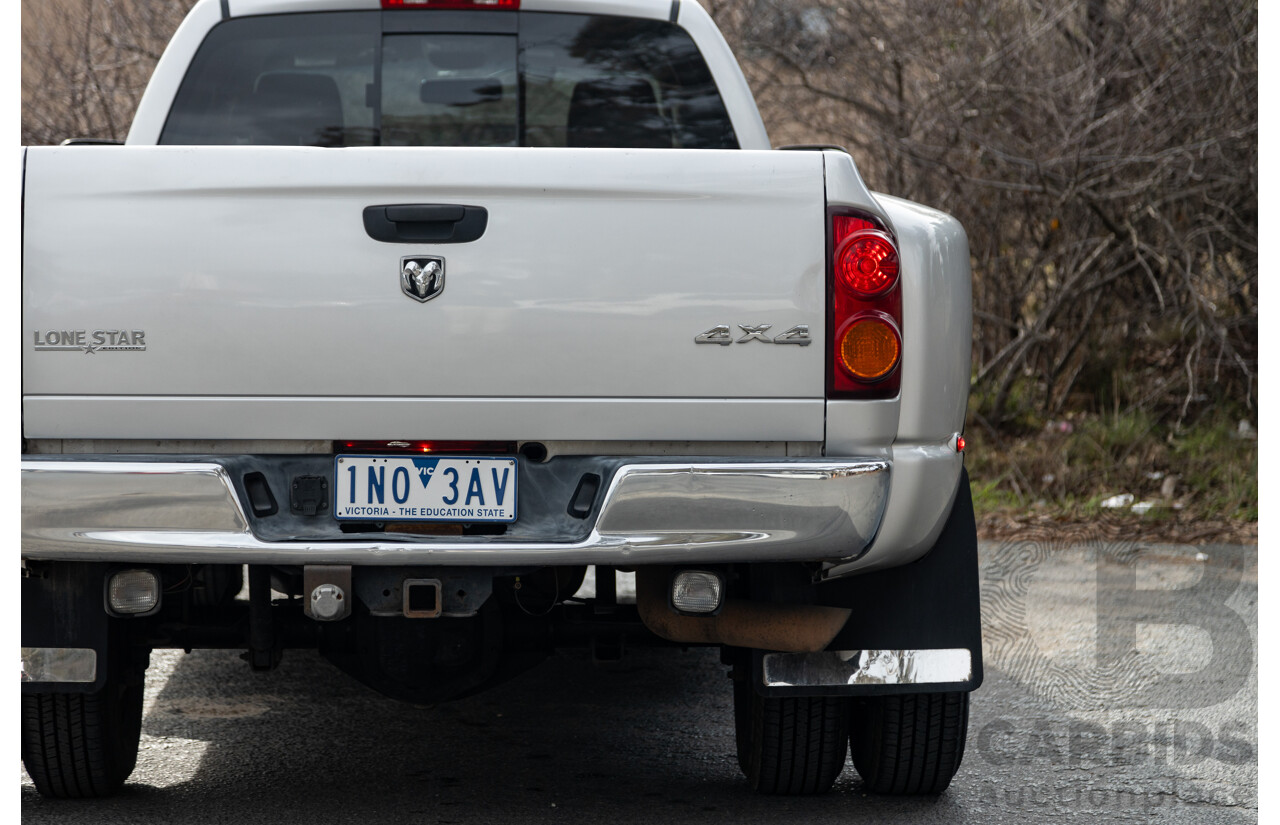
425 634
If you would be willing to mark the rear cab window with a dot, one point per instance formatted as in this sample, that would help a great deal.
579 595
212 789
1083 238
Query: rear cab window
443 78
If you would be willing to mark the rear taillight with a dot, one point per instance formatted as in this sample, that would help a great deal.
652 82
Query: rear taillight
864 305
867 263
509 5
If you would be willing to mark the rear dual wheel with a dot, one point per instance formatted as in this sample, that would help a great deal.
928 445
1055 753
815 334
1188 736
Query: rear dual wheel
790 745
904 744
82 745
908 743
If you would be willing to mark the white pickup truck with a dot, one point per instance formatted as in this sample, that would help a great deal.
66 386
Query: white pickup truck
413 313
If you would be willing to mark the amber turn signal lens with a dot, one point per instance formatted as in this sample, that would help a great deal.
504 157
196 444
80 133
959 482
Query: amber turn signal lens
869 348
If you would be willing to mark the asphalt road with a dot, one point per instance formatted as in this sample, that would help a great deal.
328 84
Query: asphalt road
1121 685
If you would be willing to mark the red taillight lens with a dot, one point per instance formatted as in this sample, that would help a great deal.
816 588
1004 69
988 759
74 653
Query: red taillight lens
867 263
864 307
510 5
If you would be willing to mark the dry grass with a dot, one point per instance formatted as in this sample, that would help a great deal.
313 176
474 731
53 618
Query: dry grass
1198 483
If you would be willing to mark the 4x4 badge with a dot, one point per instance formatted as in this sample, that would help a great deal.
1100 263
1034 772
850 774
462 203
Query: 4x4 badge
422 277
799 334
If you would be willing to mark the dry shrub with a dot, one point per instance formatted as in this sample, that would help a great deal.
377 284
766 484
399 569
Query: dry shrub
85 64
1102 156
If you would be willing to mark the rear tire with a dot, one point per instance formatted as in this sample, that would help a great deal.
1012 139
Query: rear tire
908 743
81 745
792 745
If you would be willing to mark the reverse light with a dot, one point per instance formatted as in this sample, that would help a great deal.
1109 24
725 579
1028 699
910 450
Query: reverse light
697 591
133 592
869 347
508 5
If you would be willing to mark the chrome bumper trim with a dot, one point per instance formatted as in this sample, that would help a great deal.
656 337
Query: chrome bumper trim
173 512
59 664
837 668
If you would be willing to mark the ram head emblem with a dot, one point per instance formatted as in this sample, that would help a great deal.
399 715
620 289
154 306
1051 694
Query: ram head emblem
422 277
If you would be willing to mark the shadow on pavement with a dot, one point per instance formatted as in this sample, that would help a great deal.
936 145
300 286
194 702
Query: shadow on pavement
648 740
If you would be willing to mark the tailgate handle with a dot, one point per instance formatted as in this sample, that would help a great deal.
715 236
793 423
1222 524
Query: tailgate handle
425 222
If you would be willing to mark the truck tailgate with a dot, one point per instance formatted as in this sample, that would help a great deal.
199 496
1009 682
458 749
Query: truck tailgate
250 275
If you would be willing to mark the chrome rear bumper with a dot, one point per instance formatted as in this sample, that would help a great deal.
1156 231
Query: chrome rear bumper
652 513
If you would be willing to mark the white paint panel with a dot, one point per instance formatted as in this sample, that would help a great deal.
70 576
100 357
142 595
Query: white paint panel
243 8
250 272
650 9
507 419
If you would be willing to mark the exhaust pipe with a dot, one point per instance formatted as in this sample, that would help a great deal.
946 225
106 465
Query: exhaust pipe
787 628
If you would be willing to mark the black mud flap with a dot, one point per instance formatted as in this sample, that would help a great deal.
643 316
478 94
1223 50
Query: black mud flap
62 607
929 607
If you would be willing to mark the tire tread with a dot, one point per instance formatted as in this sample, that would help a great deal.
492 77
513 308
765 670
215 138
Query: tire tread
790 745
81 745
909 743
